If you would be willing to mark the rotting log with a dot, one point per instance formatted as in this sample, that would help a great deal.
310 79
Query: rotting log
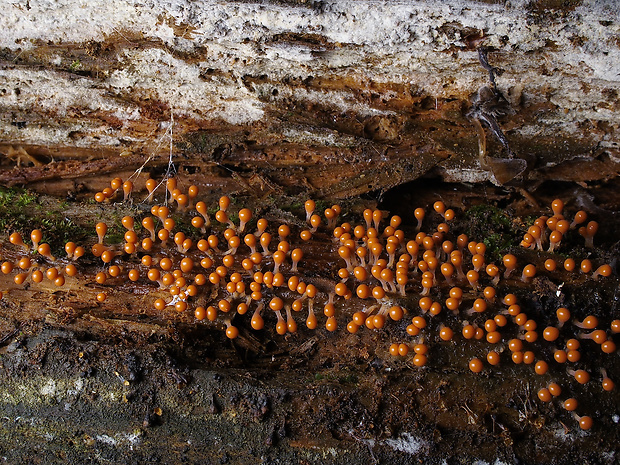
271 104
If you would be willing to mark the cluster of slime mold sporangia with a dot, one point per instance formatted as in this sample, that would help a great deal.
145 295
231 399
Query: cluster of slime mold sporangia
227 270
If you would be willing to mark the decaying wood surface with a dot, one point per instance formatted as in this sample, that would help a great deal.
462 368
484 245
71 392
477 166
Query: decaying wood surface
273 103
334 100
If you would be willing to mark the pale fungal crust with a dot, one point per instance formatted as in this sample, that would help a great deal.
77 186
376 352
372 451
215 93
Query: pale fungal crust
182 64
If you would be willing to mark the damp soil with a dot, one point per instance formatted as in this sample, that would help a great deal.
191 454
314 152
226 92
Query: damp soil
122 383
